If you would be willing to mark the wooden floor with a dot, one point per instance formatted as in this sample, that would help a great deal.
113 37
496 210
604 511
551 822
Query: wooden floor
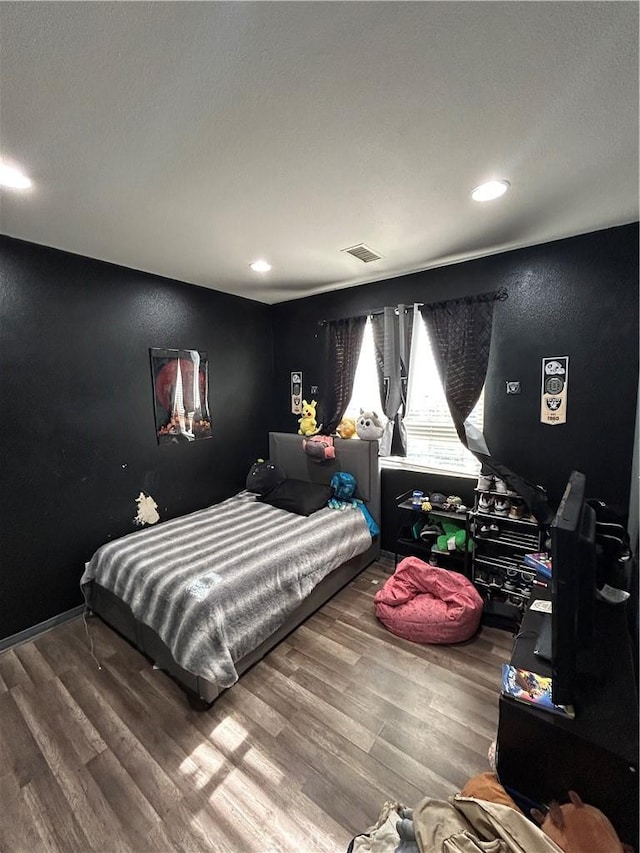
299 755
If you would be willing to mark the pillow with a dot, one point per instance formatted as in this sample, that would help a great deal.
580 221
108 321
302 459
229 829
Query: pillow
299 496
264 476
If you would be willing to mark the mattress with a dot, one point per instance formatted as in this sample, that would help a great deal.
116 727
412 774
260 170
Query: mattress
216 583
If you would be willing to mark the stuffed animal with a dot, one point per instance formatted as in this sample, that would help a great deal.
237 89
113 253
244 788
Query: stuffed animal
346 428
453 538
308 425
578 828
369 426
319 447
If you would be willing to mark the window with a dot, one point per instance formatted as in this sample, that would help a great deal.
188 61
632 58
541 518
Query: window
366 391
432 439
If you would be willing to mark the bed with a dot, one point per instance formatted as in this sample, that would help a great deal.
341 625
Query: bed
203 597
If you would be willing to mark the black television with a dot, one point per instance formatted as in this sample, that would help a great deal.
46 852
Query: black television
573 588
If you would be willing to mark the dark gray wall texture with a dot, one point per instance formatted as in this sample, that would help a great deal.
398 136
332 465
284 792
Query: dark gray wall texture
575 297
78 440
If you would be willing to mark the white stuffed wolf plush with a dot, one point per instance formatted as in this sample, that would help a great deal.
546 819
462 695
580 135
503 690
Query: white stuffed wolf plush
369 426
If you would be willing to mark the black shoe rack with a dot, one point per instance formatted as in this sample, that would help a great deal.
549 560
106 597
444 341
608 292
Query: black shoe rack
499 544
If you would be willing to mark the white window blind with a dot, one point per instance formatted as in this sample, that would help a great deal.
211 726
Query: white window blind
432 438
433 442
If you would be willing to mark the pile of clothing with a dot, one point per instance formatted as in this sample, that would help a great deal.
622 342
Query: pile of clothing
483 817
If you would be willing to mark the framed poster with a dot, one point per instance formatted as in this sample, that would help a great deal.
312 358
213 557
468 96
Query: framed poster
180 393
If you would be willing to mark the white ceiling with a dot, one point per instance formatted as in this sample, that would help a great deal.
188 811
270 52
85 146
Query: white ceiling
189 139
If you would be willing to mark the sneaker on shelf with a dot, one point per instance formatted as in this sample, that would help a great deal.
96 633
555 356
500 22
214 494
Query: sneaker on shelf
485 502
516 510
485 483
501 506
430 532
485 530
500 486
495 530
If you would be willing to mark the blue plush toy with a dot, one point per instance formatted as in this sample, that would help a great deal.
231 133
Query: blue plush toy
344 489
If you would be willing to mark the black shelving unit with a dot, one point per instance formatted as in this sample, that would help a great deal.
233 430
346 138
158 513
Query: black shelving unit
406 545
497 561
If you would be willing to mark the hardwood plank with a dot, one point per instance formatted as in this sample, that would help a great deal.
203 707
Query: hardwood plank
425 780
11 669
185 830
256 709
144 769
430 746
328 645
133 810
372 696
19 753
332 747
52 816
348 702
64 650
192 825
334 785
18 833
34 664
285 693
83 796
273 766
306 747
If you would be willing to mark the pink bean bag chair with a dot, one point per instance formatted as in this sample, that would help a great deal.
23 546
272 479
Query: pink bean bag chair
426 604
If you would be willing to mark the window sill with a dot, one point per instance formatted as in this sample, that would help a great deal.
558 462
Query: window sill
396 463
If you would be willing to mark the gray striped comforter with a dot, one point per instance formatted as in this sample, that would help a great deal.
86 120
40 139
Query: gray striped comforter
216 583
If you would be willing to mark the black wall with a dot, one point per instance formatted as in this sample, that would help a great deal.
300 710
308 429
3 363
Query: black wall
78 435
575 297
78 440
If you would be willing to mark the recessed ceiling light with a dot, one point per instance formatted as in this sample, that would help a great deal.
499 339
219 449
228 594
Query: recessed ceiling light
260 266
14 178
490 190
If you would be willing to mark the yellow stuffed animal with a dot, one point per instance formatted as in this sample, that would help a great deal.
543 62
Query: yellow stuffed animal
346 428
308 425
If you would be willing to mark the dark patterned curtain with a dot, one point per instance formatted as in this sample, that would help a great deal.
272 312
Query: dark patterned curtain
343 343
460 333
392 332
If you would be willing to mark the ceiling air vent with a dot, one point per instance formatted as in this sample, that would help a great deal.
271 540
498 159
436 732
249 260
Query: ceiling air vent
363 253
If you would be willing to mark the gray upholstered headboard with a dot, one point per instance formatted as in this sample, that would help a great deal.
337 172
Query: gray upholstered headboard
357 457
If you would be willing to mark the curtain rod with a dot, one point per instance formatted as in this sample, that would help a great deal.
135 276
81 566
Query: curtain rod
369 313
498 295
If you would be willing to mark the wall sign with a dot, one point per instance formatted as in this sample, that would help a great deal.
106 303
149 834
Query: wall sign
296 392
555 378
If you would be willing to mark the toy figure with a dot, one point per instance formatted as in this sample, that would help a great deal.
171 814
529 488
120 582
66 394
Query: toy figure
369 427
308 425
346 428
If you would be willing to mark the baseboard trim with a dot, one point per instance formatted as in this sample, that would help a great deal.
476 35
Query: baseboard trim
40 628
